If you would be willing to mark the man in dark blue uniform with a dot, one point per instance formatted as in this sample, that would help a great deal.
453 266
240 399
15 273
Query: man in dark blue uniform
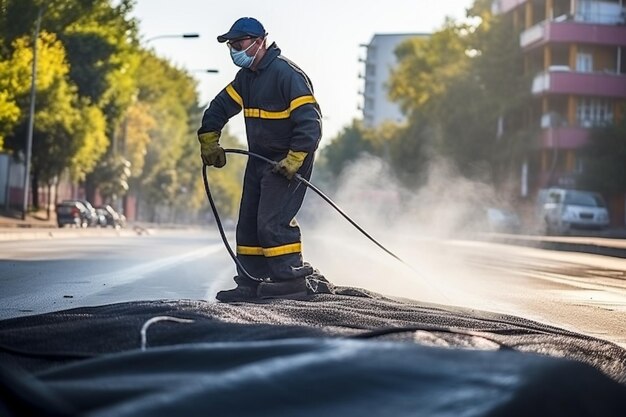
283 123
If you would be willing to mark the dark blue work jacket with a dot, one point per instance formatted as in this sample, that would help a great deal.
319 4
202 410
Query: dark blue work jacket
280 110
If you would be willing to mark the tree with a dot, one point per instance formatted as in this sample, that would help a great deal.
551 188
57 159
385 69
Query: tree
426 66
90 133
56 118
410 149
345 147
460 84
10 86
85 80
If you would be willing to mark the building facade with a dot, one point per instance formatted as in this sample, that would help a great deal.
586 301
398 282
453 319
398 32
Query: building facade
575 53
380 59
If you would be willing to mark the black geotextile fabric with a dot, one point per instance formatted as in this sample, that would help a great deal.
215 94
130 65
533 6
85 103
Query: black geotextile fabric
350 353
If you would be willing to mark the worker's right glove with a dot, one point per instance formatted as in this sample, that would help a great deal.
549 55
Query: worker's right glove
290 165
210 150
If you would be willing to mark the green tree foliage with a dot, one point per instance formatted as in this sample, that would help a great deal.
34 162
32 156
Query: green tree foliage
410 149
57 115
168 94
345 148
427 65
160 131
85 80
91 138
135 133
11 86
102 48
108 112
460 85
112 177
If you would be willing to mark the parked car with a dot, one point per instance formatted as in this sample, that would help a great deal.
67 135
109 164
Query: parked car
72 213
102 218
92 216
563 210
112 217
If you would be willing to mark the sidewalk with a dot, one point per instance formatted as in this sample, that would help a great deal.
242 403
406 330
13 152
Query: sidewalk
605 246
36 226
37 220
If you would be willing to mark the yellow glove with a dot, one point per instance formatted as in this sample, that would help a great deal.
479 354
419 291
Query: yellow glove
289 165
210 150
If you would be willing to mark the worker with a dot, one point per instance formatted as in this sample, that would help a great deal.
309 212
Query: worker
283 123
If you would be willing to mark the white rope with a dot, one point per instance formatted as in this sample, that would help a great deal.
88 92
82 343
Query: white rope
144 328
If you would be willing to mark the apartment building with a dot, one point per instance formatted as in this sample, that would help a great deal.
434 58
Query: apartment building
380 59
575 52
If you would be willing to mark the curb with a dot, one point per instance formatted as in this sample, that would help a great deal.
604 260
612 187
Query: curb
9 234
596 246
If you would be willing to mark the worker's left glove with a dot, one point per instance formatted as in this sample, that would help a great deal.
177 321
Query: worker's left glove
289 165
210 150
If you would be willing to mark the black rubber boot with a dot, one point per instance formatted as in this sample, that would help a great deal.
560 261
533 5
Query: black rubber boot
245 290
292 288
317 283
314 283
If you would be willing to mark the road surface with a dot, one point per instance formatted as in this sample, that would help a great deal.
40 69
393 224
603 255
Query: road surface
578 292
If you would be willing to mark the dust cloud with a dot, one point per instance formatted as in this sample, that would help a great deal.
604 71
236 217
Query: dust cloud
424 227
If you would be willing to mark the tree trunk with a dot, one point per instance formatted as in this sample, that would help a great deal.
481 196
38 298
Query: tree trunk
34 187
48 201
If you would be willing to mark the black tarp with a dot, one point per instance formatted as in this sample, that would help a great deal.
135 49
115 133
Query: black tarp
353 353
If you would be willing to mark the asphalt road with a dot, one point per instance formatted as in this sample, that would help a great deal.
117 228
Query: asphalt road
579 292
38 276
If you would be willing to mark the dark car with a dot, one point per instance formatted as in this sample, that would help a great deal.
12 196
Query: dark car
112 217
92 216
72 213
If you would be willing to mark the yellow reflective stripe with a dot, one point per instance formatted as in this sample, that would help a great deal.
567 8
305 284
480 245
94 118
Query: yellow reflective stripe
283 250
249 250
300 101
266 114
252 112
234 95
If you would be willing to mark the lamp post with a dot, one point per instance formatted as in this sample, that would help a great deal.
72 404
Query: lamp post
180 35
31 116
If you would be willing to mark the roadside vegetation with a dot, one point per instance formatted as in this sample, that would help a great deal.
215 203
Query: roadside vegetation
466 98
114 119
111 116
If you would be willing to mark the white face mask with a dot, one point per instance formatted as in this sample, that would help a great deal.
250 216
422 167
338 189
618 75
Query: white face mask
241 59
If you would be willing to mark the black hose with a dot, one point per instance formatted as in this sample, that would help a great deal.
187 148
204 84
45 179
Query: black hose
221 228
301 180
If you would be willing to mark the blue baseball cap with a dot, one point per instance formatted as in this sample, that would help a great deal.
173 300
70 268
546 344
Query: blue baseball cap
245 26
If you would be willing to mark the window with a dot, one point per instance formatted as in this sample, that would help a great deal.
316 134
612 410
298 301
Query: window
584 62
594 112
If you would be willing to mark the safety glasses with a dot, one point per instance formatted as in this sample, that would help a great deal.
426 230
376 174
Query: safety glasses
237 44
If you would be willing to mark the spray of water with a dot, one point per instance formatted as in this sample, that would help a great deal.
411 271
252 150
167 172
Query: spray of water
424 227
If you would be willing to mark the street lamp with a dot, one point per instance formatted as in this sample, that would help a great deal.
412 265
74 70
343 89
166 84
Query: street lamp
31 116
208 71
180 35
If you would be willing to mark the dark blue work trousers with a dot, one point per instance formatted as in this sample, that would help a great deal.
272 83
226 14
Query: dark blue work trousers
268 236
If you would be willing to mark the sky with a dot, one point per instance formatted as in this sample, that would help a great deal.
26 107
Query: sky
322 37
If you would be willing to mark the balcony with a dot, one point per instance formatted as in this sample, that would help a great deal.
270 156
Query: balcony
559 80
572 32
563 137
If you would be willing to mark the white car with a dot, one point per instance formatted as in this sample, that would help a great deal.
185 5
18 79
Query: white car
563 210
